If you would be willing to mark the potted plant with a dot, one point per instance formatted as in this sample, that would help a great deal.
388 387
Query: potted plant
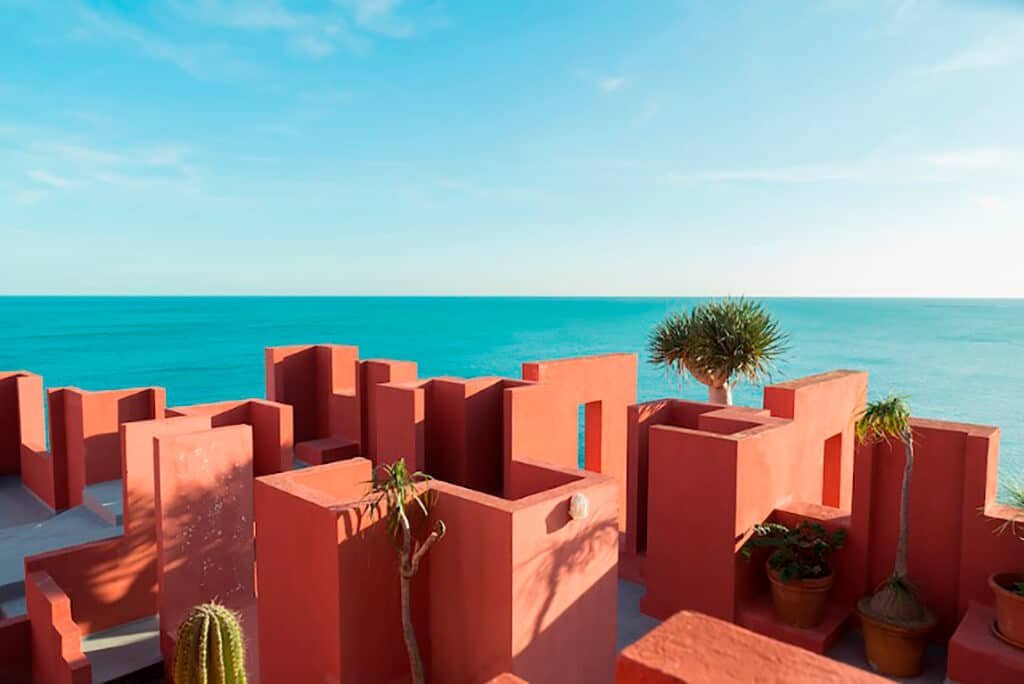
401 492
894 619
718 343
1008 587
798 568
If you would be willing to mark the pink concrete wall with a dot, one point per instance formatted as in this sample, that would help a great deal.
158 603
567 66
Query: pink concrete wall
16 650
23 437
606 384
511 588
640 418
686 468
733 471
691 648
454 429
565 581
204 523
375 373
540 425
114 581
10 418
339 408
329 567
334 394
401 423
56 641
548 583
321 383
92 420
291 378
953 514
470 573
272 426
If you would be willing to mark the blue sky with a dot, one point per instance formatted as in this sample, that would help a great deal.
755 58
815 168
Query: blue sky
829 147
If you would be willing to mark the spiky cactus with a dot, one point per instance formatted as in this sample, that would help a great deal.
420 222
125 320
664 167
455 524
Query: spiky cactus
210 648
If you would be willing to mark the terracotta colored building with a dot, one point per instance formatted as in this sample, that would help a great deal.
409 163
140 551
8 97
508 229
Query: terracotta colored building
261 503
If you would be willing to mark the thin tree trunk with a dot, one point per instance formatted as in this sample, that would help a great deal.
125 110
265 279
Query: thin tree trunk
406 573
720 395
900 569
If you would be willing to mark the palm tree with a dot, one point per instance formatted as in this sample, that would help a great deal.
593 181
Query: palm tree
719 343
397 488
886 419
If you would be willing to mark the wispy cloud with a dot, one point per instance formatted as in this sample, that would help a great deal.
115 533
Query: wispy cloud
52 163
208 61
315 35
979 57
997 50
50 179
610 84
606 83
249 15
797 174
931 168
973 159
381 16
903 14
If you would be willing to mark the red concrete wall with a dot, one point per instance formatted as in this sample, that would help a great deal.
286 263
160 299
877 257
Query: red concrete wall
373 374
823 405
16 650
56 641
204 524
23 437
321 383
43 476
690 554
733 471
607 385
691 648
953 515
564 580
92 420
291 378
454 428
401 423
640 418
547 586
334 394
338 376
10 443
10 419
540 425
326 565
511 586
471 577
272 426
113 581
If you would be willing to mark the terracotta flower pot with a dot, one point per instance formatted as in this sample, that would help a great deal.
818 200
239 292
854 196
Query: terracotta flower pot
1009 607
800 602
894 649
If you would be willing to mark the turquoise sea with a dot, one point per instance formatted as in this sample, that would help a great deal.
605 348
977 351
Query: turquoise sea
955 359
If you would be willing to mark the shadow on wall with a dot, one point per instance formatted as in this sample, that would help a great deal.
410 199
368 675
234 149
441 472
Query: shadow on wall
114 581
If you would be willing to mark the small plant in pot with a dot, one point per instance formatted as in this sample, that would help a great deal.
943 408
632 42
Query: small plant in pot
894 619
1008 587
798 568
